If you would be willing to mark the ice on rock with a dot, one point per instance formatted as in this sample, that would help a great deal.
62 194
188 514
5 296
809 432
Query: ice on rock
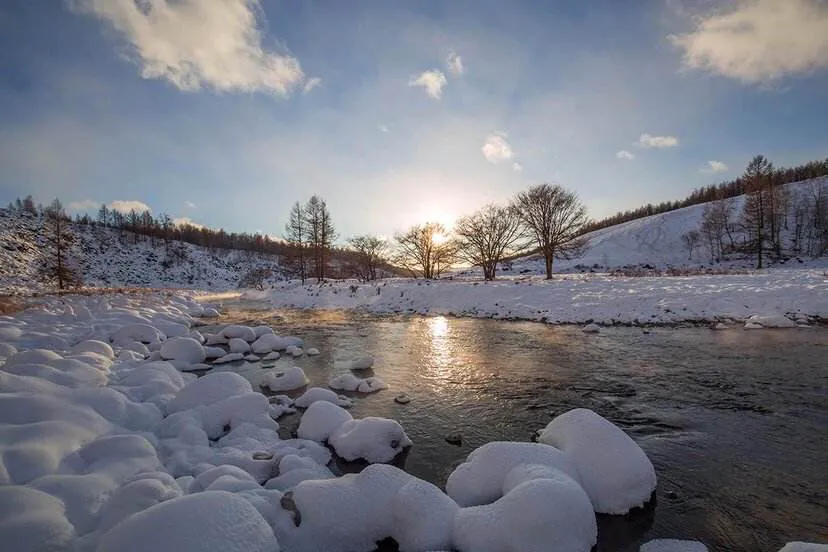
33 356
238 345
33 521
93 346
320 420
315 394
285 380
245 333
208 390
372 384
672 545
360 363
229 357
142 333
423 517
312 351
797 546
480 479
552 514
612 468
375 440
183 349
211 521
294 469
591 328
347 514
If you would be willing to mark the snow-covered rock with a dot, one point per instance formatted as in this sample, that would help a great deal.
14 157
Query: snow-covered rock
271 342
239 332
142 333
285 380
208 390
769 321
312 351
229 357
612 468
272 356
32 356
238 345
93 346
320 420
672 545
797 546
591 328
371 439
350 382
359 363
183 349
315 394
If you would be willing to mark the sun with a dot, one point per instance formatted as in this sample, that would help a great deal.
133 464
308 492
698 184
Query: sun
434 213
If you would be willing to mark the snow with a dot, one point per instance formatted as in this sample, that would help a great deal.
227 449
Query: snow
315 394
208 390
371 439
480 479
285 380
203 522
312 351
271 342
142 333
237 345
552 514
245 333
770 321
359 363
350 382
272 356
93 346
804 547
612 468
229 357
423 517
184 349
673 545
320 420
591 328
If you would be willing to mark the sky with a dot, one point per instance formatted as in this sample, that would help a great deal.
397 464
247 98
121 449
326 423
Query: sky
226 112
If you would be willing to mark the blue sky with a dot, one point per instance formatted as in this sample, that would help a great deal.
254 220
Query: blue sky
226 112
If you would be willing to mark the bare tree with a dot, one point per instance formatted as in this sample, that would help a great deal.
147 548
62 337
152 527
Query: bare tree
370 252
425 249
691 241
58 263
555 217
716 225
320 233
256 278
296 234
488 236
754 218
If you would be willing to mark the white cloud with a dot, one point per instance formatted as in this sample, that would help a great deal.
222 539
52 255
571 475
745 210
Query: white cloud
432 80
181 221
189 205
82 205
454 63
197 43
496 149
127 205
759 40
714 167
383 128
624 154
311 83
517 167
647 141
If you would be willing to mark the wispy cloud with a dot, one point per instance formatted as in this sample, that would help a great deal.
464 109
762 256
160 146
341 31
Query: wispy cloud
454 64
714 167
496 149
127 205
383 128
189 205
517 167
311 83
195 44
759 40
625 155
82 205
432 81
647 141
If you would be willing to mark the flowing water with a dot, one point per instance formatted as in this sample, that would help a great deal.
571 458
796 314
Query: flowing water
735 422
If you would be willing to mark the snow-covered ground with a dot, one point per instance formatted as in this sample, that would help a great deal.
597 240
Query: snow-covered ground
800 294
108 443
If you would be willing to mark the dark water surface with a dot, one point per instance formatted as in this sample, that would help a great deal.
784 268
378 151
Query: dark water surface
735 422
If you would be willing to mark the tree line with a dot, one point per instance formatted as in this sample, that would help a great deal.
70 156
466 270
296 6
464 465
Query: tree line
715 192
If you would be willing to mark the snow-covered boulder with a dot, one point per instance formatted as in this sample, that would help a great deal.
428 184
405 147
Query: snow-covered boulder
32 356
142 333
214 352
612 468
294 469
591 328
237 345
239 332
312 351
423 517
797 546
137 347
285 380
769 321
211 521
320 420
229 357
350 382
479 480
7 350
360 363
272 356
93 346
261 330
215 339
209 389
672 545
375 440
549 514
210 313
183 349
315 394
33 520
294 351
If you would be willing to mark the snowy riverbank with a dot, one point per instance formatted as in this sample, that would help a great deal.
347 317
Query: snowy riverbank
802 295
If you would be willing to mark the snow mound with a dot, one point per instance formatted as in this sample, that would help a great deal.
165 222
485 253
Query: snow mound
93 346
237 345
315 394
672 545
480 479
183 349
245 333
294 469
271 342
229 357
423 517
350 382
769 321
142 333
33 521
320 420
208 390
312 351
294 351
210 521
375 440
285 380
550 514
272 356
614 471
804 547
33 356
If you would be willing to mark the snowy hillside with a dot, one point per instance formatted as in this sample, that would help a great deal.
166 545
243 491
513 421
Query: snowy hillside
112 258
654 240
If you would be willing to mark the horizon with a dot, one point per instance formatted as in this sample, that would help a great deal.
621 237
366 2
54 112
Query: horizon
398 115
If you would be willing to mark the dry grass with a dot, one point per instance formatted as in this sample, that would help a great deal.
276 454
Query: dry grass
9 304
639 272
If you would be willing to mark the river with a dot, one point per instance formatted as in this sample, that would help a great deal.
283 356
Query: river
735 422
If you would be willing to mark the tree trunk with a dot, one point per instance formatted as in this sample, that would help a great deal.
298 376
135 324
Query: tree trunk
548 257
